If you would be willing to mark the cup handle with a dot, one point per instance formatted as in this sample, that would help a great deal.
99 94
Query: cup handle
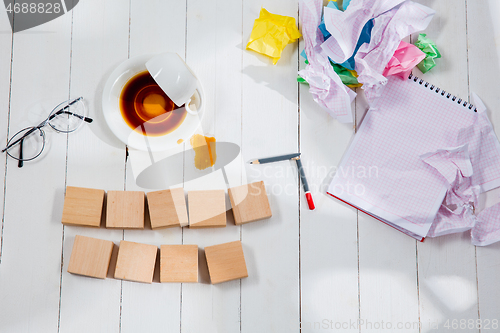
197 111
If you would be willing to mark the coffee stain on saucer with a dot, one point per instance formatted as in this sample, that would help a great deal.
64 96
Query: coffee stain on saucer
180 141
146 108
204 149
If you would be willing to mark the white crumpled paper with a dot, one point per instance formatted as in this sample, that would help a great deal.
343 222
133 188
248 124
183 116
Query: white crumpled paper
457 212
394 20
345 27
487 228
324 84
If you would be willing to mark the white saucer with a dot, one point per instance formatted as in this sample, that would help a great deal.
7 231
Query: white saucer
112 114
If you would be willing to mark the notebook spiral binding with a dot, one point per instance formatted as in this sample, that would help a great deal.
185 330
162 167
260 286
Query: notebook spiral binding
443 93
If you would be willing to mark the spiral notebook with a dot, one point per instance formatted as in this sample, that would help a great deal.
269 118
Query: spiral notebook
382 172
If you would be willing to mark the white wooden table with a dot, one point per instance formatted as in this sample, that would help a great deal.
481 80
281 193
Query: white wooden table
323 270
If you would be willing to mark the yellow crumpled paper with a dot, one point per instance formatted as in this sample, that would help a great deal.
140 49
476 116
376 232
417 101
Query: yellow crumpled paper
271 33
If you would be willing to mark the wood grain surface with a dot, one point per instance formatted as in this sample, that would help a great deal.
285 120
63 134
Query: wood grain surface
307 270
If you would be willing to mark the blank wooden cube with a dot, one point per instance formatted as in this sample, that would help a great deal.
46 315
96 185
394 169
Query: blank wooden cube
82 206
125 209
90 257
167 208
226 262
179 263
250 203
136 262
207 209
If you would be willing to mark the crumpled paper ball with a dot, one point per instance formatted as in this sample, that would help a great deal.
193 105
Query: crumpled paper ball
430 49
405 58
271 33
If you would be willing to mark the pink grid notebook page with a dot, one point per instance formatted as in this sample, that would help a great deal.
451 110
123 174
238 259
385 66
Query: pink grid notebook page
382 172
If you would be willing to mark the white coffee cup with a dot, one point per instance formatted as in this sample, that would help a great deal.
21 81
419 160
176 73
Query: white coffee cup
176 79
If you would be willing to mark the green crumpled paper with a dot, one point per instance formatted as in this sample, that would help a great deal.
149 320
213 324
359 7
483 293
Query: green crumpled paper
348 77
430 49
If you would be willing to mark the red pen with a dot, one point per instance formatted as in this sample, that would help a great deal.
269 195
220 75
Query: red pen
303 179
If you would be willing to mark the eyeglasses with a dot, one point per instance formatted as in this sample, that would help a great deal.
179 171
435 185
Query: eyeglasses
28 143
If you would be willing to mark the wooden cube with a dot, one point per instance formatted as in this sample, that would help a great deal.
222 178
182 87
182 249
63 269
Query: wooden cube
226 262
136 262
125 209
167 208
90 257
207 209
250 203
179 263
82 206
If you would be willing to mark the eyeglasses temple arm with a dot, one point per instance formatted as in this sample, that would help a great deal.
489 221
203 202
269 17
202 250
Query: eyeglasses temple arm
20 163
58 112
86 119
65 107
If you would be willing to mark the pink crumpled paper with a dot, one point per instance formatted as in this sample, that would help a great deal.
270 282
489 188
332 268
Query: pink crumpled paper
406 57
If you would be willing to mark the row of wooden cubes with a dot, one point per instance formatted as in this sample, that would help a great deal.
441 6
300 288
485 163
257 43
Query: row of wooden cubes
167 208
136 262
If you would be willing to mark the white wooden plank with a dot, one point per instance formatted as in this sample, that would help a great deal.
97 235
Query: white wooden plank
447 29
387 278
157 26
150 32
484 71
270 295
488 291
93 161
214 54
5 73
446 265
328 231
447 281
31 258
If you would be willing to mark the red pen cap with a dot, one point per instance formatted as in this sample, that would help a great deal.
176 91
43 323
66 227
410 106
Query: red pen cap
310 201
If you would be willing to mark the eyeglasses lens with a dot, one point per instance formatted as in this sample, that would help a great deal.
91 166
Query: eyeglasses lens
32 144
67 116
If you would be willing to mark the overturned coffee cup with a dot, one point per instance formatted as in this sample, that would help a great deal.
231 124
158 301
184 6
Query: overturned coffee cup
176 79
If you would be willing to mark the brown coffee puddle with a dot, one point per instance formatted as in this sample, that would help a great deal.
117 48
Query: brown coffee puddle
147 109
205 154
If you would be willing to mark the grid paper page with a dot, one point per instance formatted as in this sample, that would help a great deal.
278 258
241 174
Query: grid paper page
382 172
